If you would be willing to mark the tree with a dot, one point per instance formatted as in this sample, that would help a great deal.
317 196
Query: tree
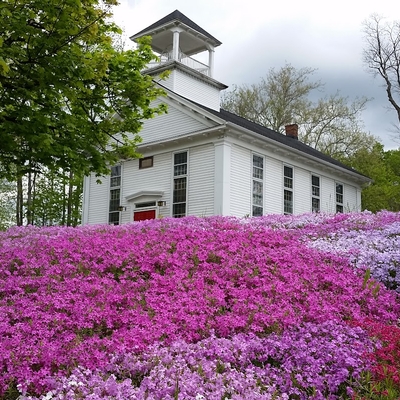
69 100
56 199
278 100
7 204
382 56
331 125
384 170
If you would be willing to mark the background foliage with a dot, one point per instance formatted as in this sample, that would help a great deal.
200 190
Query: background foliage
67 94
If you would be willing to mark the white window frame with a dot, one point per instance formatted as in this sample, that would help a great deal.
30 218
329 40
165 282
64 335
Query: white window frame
339 205
175 177
288 189
257 180
314 195
111 189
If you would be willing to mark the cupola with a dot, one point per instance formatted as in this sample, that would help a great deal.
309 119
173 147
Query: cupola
176 39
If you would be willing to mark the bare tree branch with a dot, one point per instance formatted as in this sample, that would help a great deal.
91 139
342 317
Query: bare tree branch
382 56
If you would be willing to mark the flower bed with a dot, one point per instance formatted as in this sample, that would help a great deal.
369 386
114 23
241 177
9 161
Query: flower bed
273 307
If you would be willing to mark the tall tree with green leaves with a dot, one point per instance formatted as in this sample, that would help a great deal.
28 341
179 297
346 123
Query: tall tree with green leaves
69 99
383 167
56 199
332 124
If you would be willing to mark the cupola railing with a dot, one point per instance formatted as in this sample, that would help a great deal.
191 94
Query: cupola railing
184 59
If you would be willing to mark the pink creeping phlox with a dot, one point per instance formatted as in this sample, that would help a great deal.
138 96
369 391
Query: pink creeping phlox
74 297
310 362
366 240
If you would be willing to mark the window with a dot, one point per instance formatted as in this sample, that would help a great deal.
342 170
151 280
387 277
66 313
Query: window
339 197
146 204
115 195
115 180
288 190
180 185
258 179
146 162
315 194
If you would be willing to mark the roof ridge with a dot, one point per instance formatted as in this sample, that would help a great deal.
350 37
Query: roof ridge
177 16
271 134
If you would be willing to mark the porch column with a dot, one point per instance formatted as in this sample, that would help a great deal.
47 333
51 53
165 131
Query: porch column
211 61
175 43
222 177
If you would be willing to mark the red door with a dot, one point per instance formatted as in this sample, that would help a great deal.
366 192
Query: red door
142 215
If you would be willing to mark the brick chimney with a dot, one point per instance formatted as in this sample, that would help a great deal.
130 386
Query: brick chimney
292 131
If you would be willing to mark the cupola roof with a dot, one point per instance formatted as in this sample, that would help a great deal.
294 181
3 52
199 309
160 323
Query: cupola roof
195 39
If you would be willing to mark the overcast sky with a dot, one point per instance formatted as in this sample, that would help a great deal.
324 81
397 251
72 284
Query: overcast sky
258 35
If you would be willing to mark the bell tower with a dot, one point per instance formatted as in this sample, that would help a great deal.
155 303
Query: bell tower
176 39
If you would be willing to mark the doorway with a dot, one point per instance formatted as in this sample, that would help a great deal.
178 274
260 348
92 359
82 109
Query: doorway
143 215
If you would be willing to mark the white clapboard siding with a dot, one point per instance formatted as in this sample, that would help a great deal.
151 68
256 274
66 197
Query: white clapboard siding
196 90
240 190
350 199
167 82
156 178
328 194
165 126
302 190
98 198
273 186
201 180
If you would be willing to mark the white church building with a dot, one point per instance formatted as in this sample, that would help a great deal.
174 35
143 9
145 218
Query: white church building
201 160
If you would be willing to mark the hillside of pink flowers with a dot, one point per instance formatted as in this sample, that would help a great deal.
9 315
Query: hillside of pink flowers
278 307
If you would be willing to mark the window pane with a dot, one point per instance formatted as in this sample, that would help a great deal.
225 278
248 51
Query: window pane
180 158
257 193
116 170
339 198
144 205
179 210
179 190
315 205
114 199
257 200
288 182
315 191
180 169
258 162
114 204
257 173
115 181
257 187
288 202
339 208
257 211
339 188
315 180
113 218
288 172
115 194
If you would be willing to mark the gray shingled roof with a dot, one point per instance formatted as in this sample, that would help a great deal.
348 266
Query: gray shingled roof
177 16
276 136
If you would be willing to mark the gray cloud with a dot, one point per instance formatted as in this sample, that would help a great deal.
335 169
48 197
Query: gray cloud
257 36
